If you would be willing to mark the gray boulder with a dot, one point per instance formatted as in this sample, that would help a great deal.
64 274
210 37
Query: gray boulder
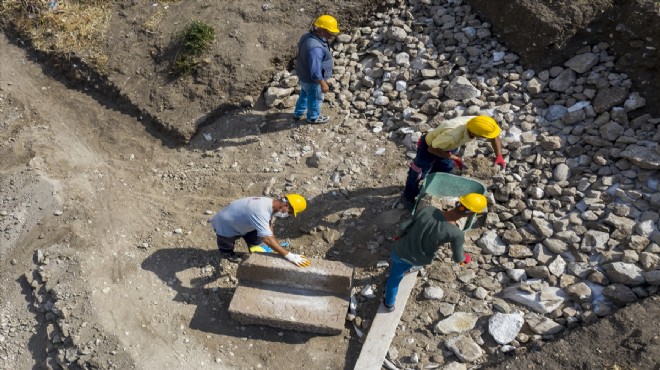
643 157
624 273
460 88
610 97
583 62
619 294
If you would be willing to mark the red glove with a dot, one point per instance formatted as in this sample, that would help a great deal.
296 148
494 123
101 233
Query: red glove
467 259
499 161
458 163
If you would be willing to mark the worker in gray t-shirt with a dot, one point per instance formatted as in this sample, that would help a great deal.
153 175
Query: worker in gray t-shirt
251 219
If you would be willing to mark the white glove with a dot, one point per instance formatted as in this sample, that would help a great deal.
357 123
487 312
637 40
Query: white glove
297 259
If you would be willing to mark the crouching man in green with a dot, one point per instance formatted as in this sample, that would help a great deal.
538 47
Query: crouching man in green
423 234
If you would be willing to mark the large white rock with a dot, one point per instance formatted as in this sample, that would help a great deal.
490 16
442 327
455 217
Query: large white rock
504 327
491 243
456 323
433 292
544 301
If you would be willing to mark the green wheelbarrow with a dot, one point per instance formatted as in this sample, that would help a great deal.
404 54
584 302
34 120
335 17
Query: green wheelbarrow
440 184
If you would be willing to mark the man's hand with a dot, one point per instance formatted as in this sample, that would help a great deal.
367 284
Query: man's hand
458 162
298 260
499 161
467 259
324 86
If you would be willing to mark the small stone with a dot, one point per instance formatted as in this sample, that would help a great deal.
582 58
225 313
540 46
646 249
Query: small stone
619 294
580 293
465 348
491 243
543 325
480 293
434 293
562 172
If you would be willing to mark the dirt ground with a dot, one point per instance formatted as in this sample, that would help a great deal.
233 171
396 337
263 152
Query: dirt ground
121 219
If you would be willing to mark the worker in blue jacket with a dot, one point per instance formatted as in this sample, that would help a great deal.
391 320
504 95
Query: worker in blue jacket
314 67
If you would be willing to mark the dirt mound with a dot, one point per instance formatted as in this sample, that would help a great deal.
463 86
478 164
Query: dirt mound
547 32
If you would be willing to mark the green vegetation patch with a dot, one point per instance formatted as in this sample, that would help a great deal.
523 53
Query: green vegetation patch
193 42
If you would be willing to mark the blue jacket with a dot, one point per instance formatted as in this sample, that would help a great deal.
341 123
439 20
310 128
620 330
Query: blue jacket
314 62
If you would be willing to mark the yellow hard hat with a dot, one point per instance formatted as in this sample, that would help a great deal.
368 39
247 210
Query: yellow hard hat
484 126
328 23
297 202
474 202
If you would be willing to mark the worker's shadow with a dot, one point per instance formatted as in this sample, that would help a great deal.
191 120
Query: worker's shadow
180 269
355 227
241 127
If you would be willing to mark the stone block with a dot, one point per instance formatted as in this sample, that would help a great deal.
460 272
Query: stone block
272 291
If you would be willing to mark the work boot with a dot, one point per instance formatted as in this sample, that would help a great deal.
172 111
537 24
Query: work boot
230 256
388 308
319 119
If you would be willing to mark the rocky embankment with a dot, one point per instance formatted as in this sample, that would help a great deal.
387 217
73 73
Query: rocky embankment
572 230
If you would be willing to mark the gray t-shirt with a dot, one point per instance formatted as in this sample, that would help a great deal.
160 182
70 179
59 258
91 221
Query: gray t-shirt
244 215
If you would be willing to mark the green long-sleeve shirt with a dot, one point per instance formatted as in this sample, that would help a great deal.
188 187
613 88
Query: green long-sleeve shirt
422 235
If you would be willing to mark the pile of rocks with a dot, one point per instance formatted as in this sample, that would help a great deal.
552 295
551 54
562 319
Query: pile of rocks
573 228
63 310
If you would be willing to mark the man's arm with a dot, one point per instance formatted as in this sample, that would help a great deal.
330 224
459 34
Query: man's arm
315 61
497 145
274 244
458 253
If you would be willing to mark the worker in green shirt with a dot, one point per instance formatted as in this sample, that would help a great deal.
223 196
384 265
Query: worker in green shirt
423 234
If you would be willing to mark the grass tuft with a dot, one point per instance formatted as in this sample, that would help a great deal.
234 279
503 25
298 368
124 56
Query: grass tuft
193 41
67 26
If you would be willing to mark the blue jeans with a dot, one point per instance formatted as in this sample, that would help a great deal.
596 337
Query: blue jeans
309 100
423 164
397 270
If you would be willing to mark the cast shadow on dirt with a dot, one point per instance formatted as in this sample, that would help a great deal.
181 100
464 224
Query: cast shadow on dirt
354 226
241 127
211 315
78 76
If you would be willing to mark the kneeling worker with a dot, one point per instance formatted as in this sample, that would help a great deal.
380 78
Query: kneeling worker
423 234
436 150
251 219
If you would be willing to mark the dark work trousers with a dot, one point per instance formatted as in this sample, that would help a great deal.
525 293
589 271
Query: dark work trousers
423 164
226 244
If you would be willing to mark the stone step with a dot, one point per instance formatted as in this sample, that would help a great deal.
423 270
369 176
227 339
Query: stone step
272 291
289 308
322 275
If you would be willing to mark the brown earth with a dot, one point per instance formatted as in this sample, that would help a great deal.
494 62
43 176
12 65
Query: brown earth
629 339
